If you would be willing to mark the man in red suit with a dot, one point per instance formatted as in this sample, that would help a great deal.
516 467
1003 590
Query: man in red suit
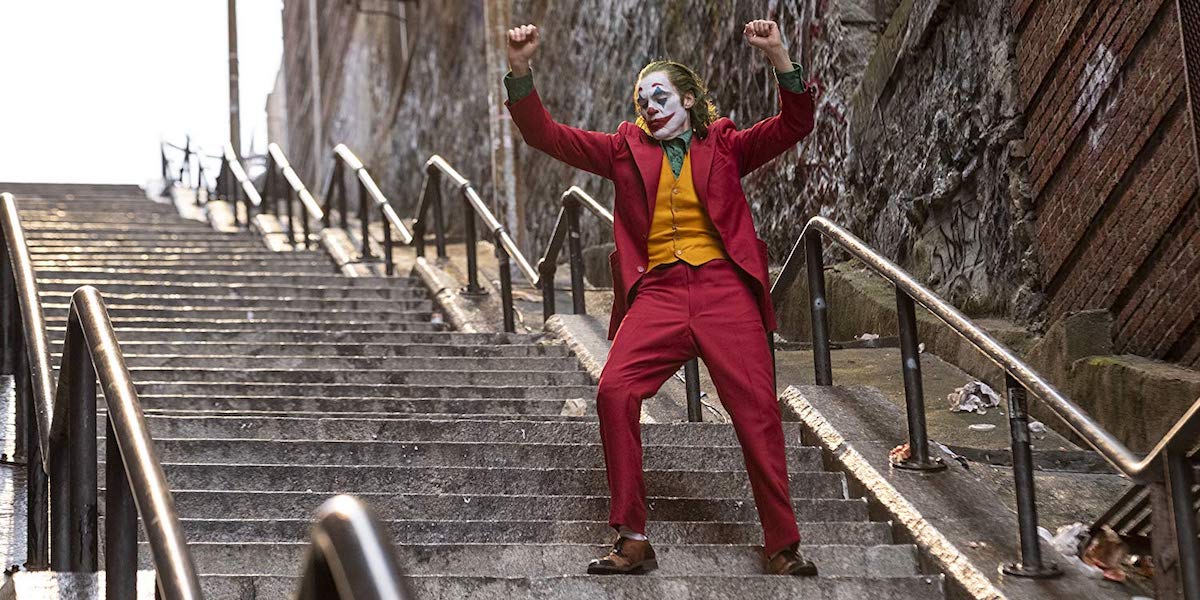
689 273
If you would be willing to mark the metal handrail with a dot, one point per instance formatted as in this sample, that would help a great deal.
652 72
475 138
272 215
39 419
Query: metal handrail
61 448
351 556
369 195
277 163
1168 459
234 186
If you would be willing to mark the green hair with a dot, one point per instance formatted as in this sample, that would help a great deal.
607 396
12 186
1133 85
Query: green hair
702 113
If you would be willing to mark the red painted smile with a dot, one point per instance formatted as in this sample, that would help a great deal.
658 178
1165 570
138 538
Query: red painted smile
659 123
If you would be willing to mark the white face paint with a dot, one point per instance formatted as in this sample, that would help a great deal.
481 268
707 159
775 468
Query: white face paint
661 106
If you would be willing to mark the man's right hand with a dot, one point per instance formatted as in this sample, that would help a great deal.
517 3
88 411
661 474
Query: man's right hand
522 43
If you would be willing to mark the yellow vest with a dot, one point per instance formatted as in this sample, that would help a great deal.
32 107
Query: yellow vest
681 229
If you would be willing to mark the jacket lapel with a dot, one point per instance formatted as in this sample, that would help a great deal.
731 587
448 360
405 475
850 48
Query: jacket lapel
701 152
649 157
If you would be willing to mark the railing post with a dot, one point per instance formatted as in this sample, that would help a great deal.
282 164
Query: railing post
28 440
1031 564
546 272
81 446
575 256
364 218
473 288
388 264
289 199
327 195
304 225
239 202
340 181
914 393
419 225
691 380
1180 479
120 524
200 181
506 299
37 530
439 219
814 258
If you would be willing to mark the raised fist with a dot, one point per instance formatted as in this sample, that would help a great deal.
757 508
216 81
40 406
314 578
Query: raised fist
522 42
763 34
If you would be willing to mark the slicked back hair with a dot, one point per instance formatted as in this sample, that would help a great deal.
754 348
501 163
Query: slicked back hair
702 113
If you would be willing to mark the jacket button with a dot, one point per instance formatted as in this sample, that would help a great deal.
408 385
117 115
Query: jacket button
641 269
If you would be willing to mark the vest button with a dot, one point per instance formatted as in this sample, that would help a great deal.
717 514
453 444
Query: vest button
641 269
679 253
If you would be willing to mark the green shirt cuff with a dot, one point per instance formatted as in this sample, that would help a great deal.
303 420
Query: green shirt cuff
792 81
518 87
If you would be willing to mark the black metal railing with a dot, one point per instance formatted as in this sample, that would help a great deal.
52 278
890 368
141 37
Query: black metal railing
351 557
59 422
1169 462
275 195
234 187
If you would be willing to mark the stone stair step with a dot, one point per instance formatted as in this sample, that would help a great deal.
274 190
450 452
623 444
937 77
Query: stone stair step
364 361
476 507
500 560
431 454
69 252
154 262
364 376
269 407
196 349
438 390
574 587
858 533
467 409
120 324
472 480
398 291
294 334
447 429
282 313
241 302
83 276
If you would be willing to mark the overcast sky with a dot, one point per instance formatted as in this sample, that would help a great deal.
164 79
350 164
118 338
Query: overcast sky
87 87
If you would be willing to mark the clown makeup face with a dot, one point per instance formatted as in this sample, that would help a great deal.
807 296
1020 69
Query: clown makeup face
661 107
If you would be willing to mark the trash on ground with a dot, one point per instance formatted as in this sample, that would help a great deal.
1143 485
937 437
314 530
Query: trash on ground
574 407
1068 540
981 427
974 397
1037 427
866 337
1107 552
900 453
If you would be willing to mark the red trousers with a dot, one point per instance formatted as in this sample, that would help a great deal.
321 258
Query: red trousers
680 312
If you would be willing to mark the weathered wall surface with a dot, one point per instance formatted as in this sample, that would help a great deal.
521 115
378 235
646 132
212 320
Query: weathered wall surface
1112 170
934 177
1025 158
361 62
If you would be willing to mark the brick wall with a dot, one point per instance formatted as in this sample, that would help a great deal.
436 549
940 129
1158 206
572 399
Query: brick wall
1112 172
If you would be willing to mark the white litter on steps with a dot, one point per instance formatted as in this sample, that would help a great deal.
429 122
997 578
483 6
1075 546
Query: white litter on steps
974 397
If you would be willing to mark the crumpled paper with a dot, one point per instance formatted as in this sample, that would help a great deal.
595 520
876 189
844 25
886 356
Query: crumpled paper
974 397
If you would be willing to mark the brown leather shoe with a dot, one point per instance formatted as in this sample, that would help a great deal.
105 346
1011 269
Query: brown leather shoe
789 562
627 557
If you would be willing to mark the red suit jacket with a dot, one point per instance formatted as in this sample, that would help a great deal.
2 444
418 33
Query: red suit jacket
633 161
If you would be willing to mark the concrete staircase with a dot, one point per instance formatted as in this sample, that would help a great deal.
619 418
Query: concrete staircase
271 382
